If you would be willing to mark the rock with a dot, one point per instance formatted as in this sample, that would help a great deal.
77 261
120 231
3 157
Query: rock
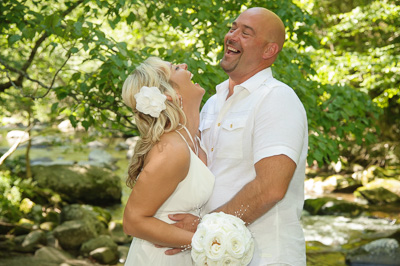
47 226
100 158
45 141
388 172
14 135
385 251
334 183
331 206
6 227
66 127
95 144
123 253
391 184
22 228
72 234
378 195
346 184
34 238
87 184
105 255
15 244
98 242
7 244
117 233
94 216
121 146
52 254
48 162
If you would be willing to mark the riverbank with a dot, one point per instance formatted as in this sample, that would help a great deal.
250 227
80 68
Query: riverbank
333 228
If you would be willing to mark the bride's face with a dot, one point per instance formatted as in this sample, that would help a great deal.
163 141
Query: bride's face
183 78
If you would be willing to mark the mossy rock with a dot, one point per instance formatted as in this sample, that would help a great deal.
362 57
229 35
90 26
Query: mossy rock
80 184
377 196
331 206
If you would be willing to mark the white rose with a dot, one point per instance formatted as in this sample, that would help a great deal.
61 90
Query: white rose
228 260
214 245
199 258
235 244
198 239
150 101
248 255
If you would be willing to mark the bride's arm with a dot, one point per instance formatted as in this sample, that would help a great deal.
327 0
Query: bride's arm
166 165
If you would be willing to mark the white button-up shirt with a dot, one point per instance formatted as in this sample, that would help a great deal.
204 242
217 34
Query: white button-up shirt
264 117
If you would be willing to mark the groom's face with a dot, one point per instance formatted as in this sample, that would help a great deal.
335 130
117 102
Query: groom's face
244 45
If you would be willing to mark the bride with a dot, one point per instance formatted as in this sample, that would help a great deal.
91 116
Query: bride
167 172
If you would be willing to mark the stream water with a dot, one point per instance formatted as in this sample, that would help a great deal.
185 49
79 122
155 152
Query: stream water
326 236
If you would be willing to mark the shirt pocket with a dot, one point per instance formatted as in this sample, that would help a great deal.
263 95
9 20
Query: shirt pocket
230 141
205 125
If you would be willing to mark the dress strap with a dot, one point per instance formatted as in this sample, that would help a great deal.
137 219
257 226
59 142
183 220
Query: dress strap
196 148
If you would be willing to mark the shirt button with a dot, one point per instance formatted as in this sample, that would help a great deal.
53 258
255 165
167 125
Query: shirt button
231 125
219 124
212 149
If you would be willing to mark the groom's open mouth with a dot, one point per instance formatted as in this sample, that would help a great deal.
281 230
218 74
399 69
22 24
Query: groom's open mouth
232 50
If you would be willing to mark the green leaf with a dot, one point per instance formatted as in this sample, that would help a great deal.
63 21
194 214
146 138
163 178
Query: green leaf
86 124
73 120
131 18
13 39
54 107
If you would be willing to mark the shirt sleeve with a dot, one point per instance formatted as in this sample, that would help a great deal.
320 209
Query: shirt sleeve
280 125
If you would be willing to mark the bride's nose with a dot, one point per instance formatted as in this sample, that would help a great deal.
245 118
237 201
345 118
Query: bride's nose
184 66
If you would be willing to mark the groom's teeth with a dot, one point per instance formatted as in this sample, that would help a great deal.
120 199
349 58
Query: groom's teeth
232 49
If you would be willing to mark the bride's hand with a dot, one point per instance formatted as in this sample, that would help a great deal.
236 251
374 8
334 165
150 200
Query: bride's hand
185 221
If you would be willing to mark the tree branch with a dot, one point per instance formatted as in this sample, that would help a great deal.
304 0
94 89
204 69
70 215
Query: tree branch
15 146
18 82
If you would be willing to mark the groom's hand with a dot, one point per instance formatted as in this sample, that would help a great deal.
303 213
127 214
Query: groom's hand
186 221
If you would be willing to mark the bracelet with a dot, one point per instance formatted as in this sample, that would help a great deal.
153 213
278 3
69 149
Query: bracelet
186 247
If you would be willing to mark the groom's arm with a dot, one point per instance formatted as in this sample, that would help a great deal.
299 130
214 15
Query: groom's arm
273 175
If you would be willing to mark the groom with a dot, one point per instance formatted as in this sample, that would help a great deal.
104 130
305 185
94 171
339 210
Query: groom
255 133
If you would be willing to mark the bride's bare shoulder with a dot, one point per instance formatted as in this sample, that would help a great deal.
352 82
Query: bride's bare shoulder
170 152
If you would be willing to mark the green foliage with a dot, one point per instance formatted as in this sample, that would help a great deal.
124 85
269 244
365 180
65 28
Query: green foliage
86 49
361 48
10 197
20 198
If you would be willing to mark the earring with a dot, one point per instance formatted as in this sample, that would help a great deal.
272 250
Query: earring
181 101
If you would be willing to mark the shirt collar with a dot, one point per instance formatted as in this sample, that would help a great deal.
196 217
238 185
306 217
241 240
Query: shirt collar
251 84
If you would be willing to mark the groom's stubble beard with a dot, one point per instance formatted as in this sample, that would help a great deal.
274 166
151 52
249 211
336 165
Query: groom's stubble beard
228 67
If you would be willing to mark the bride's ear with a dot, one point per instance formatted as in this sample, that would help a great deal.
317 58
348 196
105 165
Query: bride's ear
169 98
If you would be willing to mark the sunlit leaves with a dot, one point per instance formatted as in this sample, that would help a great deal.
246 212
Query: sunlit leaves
107 39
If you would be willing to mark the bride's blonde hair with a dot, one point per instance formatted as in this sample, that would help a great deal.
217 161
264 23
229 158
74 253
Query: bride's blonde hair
153 72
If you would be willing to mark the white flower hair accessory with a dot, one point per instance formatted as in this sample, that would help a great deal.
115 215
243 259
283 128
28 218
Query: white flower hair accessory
150 101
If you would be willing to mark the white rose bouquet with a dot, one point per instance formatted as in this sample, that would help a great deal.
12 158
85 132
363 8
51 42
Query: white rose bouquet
150 101
222 239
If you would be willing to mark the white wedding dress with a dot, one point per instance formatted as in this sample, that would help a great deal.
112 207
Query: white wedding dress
189 197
